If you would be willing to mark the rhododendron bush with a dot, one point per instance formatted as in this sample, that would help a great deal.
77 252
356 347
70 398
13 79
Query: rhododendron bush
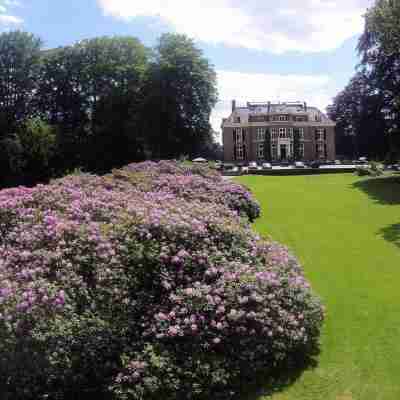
146 283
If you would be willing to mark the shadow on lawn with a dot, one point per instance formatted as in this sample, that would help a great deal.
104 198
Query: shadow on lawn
384 190
282 378
391 233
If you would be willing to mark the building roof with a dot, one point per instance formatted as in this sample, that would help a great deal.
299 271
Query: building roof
285 108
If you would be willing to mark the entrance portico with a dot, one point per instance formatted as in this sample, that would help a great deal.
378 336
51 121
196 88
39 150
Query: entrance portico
285 149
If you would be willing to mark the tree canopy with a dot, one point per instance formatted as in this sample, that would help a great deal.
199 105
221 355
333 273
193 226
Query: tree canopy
367 111
110 100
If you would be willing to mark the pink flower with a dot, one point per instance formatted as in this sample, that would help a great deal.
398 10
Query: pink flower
172 331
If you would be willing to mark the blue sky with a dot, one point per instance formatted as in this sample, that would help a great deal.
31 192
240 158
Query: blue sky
262 50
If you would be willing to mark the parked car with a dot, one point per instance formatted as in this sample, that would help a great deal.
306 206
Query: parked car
315 164
219 165
396 167
199 160
253 166
284 163
299 164
266 165
227 166
338 162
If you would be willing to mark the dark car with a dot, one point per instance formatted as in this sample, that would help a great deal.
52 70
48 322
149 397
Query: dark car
315 164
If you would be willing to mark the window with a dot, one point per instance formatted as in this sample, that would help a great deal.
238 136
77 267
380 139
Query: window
237 120
290 133
274 151
260 134
239 152
260 150
282 133
274 133
320 150
301 133
320 134
239 135
301 149
283 118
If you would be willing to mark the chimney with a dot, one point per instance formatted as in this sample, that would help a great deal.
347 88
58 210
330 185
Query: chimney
305 106
269 107
233 105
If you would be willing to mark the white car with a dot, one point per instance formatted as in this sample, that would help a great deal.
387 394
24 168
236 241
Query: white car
299 164
252 165
267 165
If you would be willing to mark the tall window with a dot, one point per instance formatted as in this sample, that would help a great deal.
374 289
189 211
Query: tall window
274 151
239 135
239 152
320 150
260 134
282 133
290 133
320 134
283 118
274 133
301 149
260 150
301 133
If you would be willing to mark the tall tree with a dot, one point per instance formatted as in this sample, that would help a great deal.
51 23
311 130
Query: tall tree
93 89
380 51
360 123
19 67
180 94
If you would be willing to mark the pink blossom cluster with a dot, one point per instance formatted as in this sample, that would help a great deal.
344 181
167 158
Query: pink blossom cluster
143 283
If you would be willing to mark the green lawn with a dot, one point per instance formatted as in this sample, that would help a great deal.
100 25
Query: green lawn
346 232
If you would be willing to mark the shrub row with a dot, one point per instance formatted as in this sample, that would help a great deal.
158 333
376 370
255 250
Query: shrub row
146 283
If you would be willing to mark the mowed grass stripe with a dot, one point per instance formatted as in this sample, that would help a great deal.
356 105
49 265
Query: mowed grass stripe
346 232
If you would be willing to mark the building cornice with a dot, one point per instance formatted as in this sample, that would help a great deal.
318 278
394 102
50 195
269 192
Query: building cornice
279 123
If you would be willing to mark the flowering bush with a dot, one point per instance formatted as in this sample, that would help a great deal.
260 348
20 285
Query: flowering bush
191 181
111 290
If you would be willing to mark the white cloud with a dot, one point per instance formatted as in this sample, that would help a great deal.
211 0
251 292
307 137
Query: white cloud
5 18
280 26
10 20
316 90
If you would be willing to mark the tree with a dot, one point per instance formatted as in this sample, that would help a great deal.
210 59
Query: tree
379 48
180 94
93 90
211 149
38 141
27 155
360 123
19 67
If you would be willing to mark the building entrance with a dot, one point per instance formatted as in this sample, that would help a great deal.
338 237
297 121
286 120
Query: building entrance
283 152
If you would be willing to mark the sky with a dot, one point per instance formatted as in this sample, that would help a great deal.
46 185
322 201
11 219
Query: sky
286 50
